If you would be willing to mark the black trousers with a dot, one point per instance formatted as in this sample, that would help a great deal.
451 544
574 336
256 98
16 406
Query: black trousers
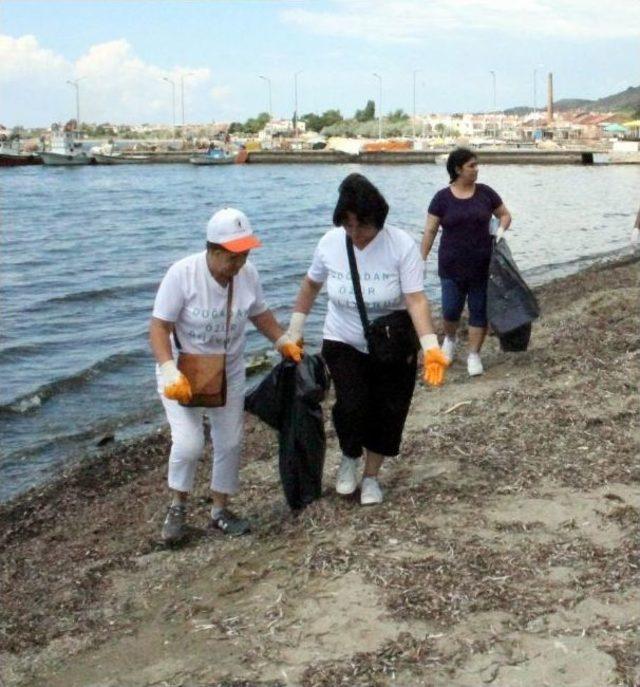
372 399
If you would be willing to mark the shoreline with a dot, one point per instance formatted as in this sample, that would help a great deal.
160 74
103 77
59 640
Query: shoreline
107 440
515 506
501 156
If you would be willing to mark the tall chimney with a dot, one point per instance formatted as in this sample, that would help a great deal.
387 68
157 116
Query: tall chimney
550 98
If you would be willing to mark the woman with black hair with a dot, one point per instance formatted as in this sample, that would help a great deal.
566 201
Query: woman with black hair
372 397
464 210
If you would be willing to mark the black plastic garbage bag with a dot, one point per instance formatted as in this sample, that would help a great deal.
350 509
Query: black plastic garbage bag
288 399
511 305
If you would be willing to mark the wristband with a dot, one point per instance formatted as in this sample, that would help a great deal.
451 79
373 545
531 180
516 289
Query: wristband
428 341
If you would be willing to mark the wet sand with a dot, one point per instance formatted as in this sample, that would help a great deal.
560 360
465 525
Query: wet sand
507 551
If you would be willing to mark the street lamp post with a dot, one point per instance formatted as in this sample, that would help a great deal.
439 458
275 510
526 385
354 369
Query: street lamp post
182 76
264 78
173 101
495 108
74 83
413 127
379 104
295 103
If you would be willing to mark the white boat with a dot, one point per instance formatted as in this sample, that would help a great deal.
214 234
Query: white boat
214 156
66 150
120 158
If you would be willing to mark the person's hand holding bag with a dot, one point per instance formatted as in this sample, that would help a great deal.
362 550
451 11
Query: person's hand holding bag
290 344
434 362
176 385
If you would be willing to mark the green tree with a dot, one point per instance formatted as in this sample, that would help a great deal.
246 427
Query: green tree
255 124
312 121
398 115
367 114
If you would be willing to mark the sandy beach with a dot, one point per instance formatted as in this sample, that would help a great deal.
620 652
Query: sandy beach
507 552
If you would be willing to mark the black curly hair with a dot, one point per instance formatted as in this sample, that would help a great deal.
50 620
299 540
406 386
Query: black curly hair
360 196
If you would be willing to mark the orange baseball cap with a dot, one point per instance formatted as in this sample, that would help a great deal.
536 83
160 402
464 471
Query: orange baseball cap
232 230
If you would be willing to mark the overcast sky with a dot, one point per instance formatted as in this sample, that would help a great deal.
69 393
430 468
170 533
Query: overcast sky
123 51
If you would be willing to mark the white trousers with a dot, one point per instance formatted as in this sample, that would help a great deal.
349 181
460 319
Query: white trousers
187 436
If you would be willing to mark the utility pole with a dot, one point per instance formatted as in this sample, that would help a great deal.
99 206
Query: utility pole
379 105
264 78
182 77
413 127
74 83
495 108
173 101
295 103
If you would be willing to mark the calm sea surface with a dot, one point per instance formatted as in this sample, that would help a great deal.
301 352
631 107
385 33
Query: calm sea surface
82 251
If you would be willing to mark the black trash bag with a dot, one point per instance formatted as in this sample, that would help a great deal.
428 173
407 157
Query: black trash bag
288 399
511 305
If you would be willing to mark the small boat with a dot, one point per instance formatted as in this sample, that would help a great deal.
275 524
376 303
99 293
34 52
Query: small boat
12 155
120 158
214 156
66 149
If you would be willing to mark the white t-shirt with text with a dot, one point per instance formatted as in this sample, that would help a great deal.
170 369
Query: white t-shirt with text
190 297
389 267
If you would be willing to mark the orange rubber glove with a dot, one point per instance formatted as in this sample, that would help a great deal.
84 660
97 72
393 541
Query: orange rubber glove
435 362
289 349
176 385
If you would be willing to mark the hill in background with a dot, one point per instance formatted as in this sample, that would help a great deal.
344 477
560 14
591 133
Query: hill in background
627 101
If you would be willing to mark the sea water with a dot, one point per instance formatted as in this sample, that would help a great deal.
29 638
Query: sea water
82 251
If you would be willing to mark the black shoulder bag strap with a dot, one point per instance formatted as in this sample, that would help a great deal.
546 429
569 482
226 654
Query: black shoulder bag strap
357 291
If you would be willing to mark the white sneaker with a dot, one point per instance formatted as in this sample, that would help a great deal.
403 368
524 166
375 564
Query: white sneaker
474 365
347 480
448 348
370 492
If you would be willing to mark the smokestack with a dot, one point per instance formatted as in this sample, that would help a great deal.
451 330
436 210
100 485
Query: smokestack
550 98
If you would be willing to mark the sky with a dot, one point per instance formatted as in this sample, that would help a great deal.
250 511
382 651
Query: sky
130 57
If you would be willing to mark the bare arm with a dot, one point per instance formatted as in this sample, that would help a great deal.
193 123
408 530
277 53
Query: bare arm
430 230
420 312
307 295
503 215
267 325
160 339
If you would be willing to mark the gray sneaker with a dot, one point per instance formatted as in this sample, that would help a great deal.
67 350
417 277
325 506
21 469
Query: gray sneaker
173 527
230 523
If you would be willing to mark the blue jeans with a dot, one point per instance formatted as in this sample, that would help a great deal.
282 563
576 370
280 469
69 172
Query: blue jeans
454 295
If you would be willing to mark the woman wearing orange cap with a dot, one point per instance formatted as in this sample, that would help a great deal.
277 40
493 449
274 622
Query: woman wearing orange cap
191 315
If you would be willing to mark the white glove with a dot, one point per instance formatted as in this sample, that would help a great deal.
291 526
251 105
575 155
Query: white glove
500 234
428 341
296 326
176 385
635 237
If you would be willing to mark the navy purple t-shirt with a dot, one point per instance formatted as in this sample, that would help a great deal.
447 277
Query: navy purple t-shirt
465 244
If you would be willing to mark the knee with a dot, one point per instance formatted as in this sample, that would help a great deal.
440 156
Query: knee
187 446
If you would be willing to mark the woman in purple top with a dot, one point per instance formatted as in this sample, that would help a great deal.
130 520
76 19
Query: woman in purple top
464 210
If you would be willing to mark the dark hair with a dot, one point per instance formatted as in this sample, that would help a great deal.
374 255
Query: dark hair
360 196
457 158
215 246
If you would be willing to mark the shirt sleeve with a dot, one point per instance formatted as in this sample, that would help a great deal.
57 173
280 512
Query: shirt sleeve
435 206
259 304
411 269
494 198
169 298
318 270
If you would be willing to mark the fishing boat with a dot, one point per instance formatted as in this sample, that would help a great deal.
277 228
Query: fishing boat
214 156
66 148
117 158
12 155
